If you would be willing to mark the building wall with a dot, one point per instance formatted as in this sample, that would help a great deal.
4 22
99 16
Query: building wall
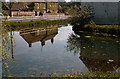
23 13
52 6
40 7
44 7
105 12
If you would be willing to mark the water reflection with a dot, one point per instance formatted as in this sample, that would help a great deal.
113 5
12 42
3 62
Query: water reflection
97 53
92 53
12 46
39 34
7 47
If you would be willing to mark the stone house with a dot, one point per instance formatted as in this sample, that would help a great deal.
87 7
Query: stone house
33 8
46 7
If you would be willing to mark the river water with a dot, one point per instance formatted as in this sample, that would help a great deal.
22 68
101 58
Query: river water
60 50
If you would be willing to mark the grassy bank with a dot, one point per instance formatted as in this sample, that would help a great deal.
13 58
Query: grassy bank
90 75
107 30
32 24
95 74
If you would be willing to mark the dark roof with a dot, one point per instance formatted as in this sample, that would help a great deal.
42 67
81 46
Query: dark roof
17 6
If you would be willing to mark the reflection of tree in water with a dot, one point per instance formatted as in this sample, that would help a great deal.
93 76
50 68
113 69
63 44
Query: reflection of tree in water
7 46
73 43
98 54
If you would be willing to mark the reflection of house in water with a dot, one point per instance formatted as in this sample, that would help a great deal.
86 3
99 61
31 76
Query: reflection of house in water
100 54
39 34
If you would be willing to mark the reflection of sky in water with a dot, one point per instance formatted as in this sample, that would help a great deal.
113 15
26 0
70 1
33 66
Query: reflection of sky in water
50 58
118 70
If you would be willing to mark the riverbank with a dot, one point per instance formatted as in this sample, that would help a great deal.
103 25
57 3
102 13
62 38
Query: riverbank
36 18
33 24
103 75
93 74
105 30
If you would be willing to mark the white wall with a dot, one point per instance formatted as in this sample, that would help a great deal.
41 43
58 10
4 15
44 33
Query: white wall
105 12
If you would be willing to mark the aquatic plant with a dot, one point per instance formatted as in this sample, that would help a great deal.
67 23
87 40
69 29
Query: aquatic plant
6 46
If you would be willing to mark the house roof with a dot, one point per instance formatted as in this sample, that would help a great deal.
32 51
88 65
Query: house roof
19 5
37 0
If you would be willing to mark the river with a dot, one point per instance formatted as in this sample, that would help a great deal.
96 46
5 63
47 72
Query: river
60 50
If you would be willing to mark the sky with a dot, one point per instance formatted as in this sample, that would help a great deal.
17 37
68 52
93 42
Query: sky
67 0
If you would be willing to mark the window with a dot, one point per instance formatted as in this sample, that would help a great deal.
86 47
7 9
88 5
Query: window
50 4
55 4
37 5
44 6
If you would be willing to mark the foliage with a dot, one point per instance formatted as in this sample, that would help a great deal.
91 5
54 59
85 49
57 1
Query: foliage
63 7
106 29
81 16
6 46
24 7
5 12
